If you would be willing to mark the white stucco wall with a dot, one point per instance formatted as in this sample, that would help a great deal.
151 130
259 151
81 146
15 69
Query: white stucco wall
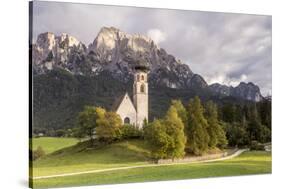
127 109
141 98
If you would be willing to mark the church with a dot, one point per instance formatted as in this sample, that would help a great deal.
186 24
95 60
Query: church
136 111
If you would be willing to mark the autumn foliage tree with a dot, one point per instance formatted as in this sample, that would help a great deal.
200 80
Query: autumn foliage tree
109 127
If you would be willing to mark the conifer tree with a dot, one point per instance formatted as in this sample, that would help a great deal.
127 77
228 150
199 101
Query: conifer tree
196 131
180 110
175 129
215 130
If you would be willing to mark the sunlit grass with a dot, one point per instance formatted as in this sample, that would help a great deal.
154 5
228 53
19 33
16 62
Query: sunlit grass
51 144
254 162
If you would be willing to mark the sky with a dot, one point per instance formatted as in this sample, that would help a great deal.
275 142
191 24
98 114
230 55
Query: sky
224 48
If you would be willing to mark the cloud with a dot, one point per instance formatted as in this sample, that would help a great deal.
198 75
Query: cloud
225 80
219 46
156 35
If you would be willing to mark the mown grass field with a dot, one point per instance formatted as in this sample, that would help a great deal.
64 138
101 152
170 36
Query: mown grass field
52 144
134 152
80 158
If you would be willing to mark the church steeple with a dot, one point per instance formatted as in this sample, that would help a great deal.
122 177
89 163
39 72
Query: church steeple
140 90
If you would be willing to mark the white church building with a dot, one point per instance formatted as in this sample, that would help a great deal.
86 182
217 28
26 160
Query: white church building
136 111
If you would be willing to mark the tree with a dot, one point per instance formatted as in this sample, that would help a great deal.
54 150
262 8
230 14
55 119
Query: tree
175 129
109 127
60 133
254 126
214 129
180 110
166 136
265 112
79 133
196 131
236 134
159 140
38 153
87 121
229 113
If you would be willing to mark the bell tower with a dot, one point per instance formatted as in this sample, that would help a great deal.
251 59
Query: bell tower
140 91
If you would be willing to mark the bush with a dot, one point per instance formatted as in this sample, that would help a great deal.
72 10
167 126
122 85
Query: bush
109 127
38 153
130 131
255 145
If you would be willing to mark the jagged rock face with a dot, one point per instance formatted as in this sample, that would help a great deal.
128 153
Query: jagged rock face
120 51
50 51
114 51
117 52
247 91
219 89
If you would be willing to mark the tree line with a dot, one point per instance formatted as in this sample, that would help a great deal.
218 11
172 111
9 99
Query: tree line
246 123
194 127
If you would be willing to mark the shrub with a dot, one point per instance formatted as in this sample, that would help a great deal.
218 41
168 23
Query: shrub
38 153
130 131
255 145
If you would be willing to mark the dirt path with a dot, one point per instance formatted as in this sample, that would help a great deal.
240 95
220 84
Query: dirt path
237 153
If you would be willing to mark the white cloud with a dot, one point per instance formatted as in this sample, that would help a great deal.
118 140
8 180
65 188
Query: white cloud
156 35
223 79
220 47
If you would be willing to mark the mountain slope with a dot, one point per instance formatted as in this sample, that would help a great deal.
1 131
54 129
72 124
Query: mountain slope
68 75
247 91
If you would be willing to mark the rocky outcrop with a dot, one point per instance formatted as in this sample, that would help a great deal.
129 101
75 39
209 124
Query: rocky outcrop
50 51
247 91
116 52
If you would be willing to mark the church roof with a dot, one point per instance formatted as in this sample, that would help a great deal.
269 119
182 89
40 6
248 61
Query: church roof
118 101
142 65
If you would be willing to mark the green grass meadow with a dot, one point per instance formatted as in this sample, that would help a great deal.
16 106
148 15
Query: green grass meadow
135 152
80 158
52 144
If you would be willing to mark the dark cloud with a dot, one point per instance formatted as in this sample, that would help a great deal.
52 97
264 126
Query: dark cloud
223 47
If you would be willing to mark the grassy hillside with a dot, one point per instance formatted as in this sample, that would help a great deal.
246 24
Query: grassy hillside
247 163
82 158
51 144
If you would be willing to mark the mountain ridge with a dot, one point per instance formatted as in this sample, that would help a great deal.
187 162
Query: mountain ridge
116 51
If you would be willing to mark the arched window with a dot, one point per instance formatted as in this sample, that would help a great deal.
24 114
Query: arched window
142 77
138 77
142 88
127 120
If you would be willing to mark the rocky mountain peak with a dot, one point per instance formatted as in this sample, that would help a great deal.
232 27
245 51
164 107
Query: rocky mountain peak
114 45
46 40
116 52
70 41
51 50
110 36
247 91
119 50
